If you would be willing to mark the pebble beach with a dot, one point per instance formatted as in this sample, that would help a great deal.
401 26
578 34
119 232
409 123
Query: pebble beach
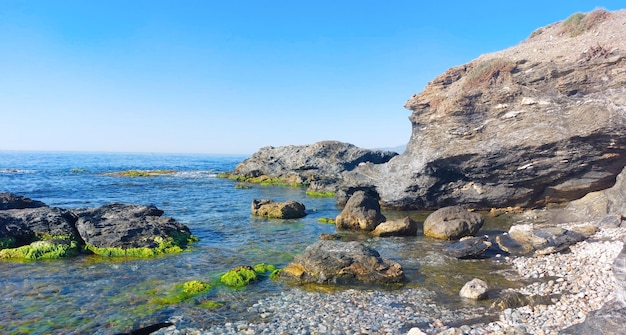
577 281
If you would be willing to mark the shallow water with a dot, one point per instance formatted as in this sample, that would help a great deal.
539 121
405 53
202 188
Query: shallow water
95 295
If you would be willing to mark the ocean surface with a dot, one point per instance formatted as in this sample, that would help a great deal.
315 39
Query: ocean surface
95 295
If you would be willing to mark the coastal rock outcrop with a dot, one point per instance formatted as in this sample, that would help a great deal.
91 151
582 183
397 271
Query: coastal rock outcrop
38 231
541 122
14 201
278 210
452 223
342 263
130 230
320 164
362 212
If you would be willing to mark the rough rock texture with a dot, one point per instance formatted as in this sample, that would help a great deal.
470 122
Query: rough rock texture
611 318
541 122
320 164
127 226
31 224
344 263
475 289
362 212
466 248
403 227
278 210
452 223
542 241
597 206
13 201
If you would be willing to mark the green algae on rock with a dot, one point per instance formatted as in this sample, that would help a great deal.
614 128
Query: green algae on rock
45 249
194 287
170 245
141 173
239 277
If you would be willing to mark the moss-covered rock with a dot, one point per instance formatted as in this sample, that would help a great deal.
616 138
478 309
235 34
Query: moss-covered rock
47 249
194 287
239 277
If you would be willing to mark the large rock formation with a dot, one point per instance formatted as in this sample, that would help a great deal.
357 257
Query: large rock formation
541 122
321 163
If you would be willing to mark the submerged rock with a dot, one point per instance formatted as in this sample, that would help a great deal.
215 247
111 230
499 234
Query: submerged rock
278 210
452 223
362 212
342 263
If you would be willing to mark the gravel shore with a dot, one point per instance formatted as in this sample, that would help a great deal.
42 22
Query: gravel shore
578 281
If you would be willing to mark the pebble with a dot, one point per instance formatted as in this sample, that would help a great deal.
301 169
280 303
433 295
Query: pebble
579 281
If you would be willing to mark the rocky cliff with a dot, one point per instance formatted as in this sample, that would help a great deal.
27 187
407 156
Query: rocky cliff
541 122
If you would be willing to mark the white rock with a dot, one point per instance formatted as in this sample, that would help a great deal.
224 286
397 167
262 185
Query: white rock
474 289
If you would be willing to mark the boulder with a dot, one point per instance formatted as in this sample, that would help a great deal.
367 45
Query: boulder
452 223
278 210
320 164
468 247
541 122
342 263
23 226
543 241
130 230
475 289
403 227
13 201
362 212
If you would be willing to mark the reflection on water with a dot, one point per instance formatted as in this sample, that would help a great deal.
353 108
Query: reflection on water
91 294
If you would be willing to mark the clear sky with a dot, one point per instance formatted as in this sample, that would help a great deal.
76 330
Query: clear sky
234 76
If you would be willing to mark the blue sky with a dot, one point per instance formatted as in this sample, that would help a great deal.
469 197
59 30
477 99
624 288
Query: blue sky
234 76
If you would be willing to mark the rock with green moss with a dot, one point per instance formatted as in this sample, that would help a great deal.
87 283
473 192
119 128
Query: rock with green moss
278 210
239 277
19 227
131 231
194 287
48 249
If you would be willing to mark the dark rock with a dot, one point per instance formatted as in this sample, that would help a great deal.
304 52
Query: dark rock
514 299
362 212
278 210
31 224
343 263
466 248
452 223
330 237
148 330
609 204
130 226
320 163
344 193
403 227
13 201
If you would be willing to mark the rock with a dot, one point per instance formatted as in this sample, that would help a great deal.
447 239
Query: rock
607 207
534 124
404 227
543 241
452 223
510 299
466 248
415 331
507 244
24 226
131 230
475 289
13 201
610 319
362 212
320 164
278 210
342 263
330 237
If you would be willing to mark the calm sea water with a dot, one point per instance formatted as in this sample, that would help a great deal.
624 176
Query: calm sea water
95 295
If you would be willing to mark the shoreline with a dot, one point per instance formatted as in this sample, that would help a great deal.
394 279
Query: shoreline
578 281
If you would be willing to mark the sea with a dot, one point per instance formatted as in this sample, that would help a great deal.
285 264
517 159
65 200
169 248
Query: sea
91 294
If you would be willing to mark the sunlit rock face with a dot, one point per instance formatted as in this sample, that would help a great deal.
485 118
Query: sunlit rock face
541 122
